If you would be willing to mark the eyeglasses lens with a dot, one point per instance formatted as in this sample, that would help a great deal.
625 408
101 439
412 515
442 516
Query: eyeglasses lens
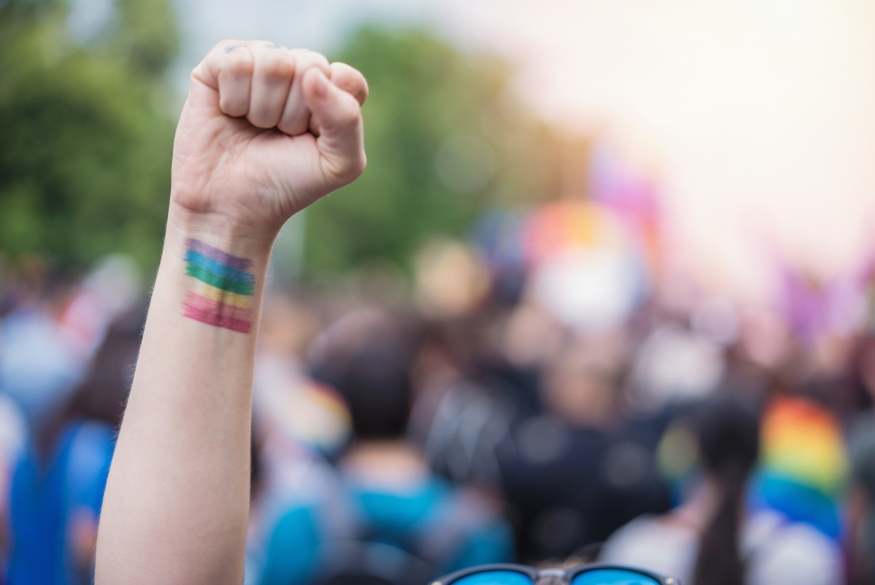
495 578
613 577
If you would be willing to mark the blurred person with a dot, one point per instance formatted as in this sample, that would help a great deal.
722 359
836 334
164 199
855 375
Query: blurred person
13 437
674 365
477 367
285 398
451 280
861 506
465 399
111 289
709 539
298 423
861 377
57 485
579 470
387 501
38 366
860 502
289 326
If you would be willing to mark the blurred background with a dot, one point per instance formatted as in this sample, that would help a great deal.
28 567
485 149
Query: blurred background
608 278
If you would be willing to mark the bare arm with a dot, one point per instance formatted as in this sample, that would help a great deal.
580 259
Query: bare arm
265 132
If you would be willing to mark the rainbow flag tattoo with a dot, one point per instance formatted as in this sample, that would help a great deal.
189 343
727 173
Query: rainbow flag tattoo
223 287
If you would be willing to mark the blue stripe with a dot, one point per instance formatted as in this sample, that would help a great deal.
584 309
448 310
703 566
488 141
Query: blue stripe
217 268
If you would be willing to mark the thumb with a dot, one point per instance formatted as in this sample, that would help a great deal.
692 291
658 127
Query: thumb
337 121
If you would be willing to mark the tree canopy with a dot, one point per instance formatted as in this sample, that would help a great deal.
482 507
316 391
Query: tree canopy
86 140
85 132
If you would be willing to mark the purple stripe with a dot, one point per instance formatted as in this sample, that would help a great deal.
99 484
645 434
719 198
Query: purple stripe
218 255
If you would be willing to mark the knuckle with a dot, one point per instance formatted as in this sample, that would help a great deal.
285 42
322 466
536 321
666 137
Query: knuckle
238 64
278 68
308 60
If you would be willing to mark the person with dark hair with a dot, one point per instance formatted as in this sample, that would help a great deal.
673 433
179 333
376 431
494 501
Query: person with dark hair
860 499
367 356
728 439
386 501
861 505
579 470
712 538
57 485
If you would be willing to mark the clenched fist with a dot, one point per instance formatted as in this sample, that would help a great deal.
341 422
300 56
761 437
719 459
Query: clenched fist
265 132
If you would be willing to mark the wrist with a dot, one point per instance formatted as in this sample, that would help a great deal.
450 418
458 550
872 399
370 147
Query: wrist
214 268
254 239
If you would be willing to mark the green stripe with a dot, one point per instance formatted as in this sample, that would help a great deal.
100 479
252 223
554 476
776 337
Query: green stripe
227 284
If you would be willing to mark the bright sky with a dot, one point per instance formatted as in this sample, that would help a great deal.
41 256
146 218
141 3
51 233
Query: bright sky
759 115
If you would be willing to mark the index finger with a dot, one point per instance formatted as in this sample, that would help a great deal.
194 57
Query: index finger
228 70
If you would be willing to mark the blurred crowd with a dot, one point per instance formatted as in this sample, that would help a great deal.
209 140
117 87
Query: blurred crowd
542 390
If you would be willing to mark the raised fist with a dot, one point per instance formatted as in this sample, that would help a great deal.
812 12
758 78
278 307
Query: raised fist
265 132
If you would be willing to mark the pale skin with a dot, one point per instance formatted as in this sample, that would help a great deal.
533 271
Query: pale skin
265 132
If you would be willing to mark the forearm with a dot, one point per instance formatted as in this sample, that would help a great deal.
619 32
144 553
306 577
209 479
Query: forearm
263 134
176 502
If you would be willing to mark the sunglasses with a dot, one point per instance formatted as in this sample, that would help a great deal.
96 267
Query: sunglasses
595 574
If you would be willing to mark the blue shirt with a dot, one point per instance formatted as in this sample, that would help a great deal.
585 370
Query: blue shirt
444 526
43 498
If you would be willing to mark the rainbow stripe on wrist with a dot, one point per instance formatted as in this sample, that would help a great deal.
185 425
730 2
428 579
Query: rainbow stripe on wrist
223 289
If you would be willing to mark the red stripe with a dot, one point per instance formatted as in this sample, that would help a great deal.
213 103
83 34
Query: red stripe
218 307
217 320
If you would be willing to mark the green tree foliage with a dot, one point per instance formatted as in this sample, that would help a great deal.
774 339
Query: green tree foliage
445 138
86 139
85 135
146 35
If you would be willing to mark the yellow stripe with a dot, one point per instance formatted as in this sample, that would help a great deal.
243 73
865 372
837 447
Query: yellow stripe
223 296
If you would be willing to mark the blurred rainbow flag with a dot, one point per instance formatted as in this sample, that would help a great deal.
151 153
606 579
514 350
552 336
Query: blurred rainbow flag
568 224
803 463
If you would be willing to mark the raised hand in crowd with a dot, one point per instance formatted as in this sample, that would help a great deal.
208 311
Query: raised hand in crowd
265 132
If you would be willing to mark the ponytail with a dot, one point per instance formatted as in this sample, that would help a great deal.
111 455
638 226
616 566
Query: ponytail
719 561
729 445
